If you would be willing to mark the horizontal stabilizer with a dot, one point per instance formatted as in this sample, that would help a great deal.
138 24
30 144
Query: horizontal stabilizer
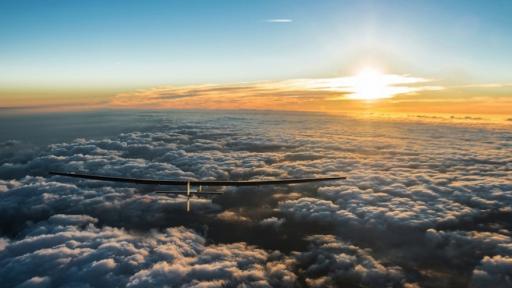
191 193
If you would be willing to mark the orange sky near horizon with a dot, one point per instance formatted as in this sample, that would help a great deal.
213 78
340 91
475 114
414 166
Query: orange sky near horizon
388 93
367 92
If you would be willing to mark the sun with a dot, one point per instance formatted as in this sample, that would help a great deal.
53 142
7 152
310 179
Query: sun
370 84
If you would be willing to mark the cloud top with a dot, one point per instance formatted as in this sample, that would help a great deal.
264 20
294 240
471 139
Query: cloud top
424 204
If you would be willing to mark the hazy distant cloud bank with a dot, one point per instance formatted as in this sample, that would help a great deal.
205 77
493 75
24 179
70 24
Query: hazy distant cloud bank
423 205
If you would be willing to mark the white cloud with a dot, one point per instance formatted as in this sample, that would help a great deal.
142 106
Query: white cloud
279 20
440 193
493 271
70 250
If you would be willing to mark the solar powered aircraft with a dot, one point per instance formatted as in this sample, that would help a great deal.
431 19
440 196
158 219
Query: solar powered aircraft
195 187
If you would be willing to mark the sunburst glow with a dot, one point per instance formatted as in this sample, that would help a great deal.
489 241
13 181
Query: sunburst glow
371 84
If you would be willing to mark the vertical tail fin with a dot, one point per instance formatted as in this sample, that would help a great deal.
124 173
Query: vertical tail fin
188 196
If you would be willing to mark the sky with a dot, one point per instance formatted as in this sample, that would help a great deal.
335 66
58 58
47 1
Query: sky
75 55
391 95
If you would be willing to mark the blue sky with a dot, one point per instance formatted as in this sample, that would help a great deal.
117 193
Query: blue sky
144 43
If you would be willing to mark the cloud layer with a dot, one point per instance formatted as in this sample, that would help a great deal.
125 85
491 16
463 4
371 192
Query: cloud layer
424 205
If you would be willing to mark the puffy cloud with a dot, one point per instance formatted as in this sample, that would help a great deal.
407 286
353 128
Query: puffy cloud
493 271
16 151
417 206
313 209
467 241
36 282
432 198
495 249
36 198
70 250
273 221
333 263
231 216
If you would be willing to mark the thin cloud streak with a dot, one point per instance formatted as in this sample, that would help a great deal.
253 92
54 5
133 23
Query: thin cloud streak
279 20
296 94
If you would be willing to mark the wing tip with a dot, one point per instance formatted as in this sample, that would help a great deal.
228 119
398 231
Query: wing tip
58 173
